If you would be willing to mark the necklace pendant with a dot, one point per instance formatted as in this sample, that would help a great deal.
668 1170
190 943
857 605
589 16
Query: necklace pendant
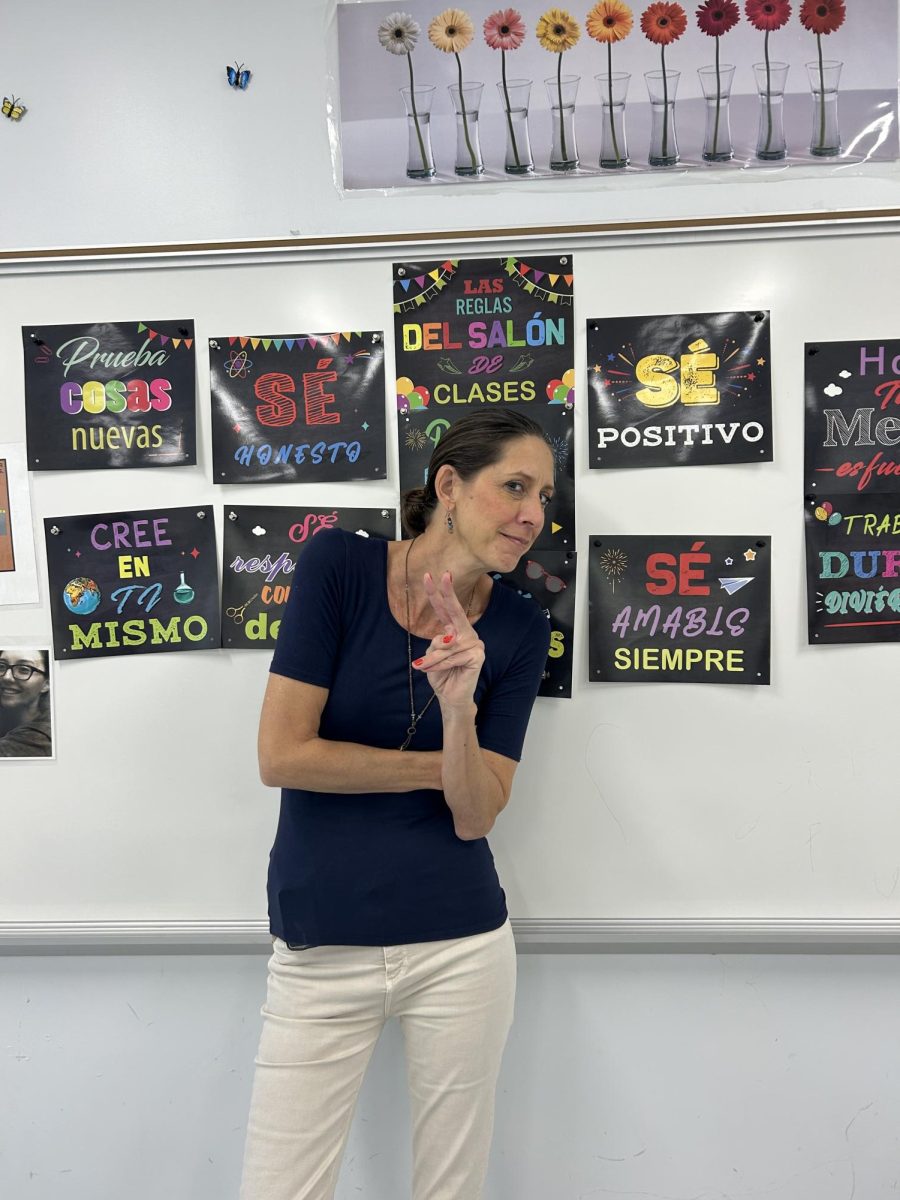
409 737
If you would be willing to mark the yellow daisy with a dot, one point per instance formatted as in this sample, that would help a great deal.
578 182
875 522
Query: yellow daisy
557 30
451 31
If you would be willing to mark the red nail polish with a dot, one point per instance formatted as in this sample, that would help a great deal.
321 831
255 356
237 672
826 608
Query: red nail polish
448 638
418 662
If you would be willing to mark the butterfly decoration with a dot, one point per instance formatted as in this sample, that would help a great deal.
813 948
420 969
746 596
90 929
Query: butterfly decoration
13 109
237 76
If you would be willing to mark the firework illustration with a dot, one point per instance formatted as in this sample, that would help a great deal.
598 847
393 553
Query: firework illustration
613 564
416 440
559 448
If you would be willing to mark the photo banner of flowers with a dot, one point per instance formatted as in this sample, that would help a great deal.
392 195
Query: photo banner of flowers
432 96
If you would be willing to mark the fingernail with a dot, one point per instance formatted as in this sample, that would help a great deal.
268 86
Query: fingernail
448 638
418 662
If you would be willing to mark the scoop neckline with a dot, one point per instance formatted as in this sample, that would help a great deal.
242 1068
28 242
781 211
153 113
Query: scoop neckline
402 628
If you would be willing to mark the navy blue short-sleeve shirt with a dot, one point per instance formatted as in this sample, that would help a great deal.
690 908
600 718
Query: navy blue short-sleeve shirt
382 868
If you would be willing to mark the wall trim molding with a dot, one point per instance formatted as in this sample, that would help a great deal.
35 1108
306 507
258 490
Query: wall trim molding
803 935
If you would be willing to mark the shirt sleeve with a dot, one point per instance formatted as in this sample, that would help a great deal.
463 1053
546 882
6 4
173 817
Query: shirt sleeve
503 715
310 632
28 741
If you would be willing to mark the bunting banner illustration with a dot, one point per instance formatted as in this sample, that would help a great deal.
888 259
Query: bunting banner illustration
303 409
852 394
548 578
679 391
261 548
139 582
672 609
471 335
18 572
121 394
853 567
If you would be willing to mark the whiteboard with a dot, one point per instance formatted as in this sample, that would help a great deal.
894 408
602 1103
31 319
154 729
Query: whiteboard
135 138
672 802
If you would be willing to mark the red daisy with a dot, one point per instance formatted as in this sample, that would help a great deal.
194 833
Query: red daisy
767 15
716 17
664 23
822 16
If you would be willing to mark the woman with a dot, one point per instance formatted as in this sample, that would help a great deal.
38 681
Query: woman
394 717
25 704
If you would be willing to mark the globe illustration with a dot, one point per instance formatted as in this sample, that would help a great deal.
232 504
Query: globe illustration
81 596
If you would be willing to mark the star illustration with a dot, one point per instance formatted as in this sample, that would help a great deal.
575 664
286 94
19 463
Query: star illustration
348 359
750 555
365 426
597 368
729 562
610 358
236 428
760 362
751 376
195 553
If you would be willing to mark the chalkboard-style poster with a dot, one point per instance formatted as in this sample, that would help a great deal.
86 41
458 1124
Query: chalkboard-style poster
301 409
18 573
679 391
477 334
118 394
668 609
548 578
132 582
853 416
853 568
261 548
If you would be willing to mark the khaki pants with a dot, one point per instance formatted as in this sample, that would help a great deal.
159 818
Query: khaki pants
324 1010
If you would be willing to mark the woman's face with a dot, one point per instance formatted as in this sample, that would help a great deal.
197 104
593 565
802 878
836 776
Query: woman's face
22 696
501 509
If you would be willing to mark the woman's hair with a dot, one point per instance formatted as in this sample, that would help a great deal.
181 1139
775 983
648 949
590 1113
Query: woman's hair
474 442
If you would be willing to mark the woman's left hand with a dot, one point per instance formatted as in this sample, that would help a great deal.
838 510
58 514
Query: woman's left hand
455 657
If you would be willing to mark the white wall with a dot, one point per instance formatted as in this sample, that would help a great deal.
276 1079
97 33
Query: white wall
727 1077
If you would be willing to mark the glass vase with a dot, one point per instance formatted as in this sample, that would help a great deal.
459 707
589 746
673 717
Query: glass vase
514 97
467 104
770 82
716 87
662 86
824 78
613 92
419 158
561 93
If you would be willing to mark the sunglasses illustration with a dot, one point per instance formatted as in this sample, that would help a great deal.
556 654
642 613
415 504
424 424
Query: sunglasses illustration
535 571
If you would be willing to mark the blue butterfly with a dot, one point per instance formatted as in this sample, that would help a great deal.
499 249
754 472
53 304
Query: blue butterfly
237 76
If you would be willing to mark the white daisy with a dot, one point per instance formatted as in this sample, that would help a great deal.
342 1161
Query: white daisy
399 33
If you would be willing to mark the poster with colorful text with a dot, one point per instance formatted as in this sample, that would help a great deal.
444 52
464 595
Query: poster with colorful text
261 548
672 609
139 582
302 409
853 568
114 394
18 573
679 391
548 578
472 335
853 416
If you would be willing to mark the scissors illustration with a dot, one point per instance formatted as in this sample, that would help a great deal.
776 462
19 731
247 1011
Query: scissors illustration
237 613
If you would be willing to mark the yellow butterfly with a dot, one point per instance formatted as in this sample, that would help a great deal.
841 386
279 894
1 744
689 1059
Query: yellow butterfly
13 109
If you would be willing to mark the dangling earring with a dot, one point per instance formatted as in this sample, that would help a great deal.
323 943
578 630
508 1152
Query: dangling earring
449 523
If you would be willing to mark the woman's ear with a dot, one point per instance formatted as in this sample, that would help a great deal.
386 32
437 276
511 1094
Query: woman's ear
446 484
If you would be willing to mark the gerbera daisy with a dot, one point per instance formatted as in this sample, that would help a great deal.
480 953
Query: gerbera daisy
664 23
610 21
558 31
767 15
505 30
451 31
822 16
716 17
399 34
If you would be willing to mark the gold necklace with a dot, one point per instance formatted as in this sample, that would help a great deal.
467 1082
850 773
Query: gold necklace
415 718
